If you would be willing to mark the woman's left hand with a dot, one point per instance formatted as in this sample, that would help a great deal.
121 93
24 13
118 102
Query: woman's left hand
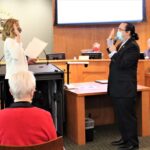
32 61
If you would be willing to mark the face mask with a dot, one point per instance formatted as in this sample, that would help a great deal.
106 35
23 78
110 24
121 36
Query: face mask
19 29
119 36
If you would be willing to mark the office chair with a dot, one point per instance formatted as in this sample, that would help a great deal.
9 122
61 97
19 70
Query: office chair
56 144
91 55
55 56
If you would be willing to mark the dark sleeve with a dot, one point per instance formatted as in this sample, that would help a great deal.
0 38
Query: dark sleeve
128 58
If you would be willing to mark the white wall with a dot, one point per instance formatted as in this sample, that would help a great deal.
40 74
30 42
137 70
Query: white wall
35 17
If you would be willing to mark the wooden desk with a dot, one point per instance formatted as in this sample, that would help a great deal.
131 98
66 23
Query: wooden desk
147 79
76 109
98 69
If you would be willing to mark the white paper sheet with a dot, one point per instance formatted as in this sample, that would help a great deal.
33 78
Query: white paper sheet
35 48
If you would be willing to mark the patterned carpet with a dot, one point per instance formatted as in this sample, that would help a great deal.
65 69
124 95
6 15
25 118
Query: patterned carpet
102 139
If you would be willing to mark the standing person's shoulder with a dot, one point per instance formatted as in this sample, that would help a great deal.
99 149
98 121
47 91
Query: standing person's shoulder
135 44
9 39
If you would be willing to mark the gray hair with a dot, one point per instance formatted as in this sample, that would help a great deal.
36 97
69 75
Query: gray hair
22 84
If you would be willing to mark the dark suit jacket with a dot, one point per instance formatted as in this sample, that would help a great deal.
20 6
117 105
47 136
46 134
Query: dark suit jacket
122 81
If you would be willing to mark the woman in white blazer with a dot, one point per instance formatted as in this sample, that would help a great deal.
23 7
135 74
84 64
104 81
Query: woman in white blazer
13 52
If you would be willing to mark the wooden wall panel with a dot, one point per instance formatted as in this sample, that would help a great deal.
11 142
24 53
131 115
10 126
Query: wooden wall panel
72 40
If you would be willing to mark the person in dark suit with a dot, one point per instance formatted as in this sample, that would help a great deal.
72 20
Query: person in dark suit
122 85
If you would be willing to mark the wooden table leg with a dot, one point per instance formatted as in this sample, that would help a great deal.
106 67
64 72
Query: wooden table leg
145 124
76 118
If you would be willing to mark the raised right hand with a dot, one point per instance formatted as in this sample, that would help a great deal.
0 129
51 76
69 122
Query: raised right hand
18 36
112 34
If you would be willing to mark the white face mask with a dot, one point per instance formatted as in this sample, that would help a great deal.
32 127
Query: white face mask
119 35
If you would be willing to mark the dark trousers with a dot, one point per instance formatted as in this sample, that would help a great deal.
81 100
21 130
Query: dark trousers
126 117
7 95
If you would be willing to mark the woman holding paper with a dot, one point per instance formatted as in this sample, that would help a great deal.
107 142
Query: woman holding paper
13 53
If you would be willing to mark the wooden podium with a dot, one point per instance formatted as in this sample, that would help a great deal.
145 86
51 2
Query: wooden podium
49 88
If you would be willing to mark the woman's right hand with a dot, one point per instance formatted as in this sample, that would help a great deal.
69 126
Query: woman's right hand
112 34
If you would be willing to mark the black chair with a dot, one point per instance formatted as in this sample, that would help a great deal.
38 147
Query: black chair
55 56
93 55
142 56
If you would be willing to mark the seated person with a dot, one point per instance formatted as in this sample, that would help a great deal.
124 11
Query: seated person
147 52
23 124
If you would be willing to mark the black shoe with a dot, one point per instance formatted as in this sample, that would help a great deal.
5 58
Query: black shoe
118 142
128 147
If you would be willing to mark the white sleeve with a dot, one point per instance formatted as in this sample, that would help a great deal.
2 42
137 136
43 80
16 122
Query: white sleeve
14 48
109 42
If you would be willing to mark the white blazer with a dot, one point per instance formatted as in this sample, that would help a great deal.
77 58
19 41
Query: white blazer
14 57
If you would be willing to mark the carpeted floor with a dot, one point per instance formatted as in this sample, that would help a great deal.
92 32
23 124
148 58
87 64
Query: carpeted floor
102 139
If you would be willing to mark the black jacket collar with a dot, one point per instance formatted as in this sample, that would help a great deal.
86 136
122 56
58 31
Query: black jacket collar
21 104
126 43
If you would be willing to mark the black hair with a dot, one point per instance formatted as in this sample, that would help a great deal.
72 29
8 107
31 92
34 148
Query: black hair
130 27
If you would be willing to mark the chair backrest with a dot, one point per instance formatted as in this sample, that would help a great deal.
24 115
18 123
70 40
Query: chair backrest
50 145
56 56
97 55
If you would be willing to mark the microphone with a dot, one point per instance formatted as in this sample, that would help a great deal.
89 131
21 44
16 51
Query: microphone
46 57
1 59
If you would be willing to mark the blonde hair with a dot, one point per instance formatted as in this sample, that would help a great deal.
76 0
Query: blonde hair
8 29
22 84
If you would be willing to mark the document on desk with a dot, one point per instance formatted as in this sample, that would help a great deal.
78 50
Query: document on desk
69 86
35 48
